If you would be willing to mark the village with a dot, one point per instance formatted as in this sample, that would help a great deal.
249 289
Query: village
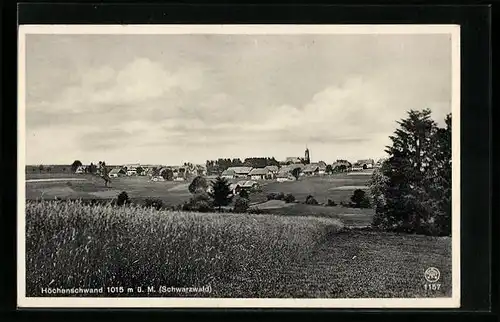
290 169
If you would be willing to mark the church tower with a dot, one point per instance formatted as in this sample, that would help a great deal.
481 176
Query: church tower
307 157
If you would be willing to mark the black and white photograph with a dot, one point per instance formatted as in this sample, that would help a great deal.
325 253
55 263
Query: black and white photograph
239 166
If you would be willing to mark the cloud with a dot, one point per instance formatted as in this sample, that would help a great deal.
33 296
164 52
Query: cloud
234 97
135 84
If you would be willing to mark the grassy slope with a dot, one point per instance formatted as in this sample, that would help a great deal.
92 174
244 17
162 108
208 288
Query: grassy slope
139 188
71 245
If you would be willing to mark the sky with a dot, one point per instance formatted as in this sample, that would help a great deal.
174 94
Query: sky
170 99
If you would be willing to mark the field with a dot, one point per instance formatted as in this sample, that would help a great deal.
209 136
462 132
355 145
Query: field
69 244
337 187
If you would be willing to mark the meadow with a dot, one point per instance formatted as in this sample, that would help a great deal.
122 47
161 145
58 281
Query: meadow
70 244
337 187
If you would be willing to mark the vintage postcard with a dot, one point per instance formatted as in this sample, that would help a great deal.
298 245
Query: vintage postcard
282 166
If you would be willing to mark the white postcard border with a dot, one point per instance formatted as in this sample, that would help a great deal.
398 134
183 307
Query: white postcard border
79 302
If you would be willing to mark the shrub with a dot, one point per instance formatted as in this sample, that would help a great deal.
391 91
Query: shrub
359 199
275 196
122 199
200 202
255 211
331 203
311 201
271 196
289 198
241 205
244 194
153 202
198 185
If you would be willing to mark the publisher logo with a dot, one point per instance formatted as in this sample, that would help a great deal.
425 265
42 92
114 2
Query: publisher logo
432 274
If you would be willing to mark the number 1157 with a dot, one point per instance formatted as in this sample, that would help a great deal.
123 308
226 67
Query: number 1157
432 287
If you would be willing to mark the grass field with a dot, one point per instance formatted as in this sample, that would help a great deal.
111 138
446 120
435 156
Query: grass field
338 188
69 244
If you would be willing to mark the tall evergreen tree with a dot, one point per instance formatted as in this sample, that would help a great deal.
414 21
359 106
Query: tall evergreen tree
221 194
409 189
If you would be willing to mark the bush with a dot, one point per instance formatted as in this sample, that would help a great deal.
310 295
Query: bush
200 202
153 202
289 198
255 211
241 205
359 199
198 185
271 196
311 201
275 196
244 194
331 203
122 199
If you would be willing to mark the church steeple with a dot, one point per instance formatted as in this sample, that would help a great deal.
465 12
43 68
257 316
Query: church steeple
307 156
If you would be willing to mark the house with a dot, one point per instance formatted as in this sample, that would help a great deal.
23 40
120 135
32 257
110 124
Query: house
273 169
132 169
357 167
311 169
367 163
286 171
117 172
235 188
322 167
201 170
293 160
147 171
240 172
260 174
81 169
179 179
228 174
248 184
131 172
282 177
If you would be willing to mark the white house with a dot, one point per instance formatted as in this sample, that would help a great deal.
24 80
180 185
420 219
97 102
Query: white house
249 184
228 174
131 169
367 163
117 172
80 169
357 167
240 172
260 174
321 167
311 169
283 177
131 172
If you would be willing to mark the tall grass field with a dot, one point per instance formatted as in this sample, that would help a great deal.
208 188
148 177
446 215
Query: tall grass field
119 249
